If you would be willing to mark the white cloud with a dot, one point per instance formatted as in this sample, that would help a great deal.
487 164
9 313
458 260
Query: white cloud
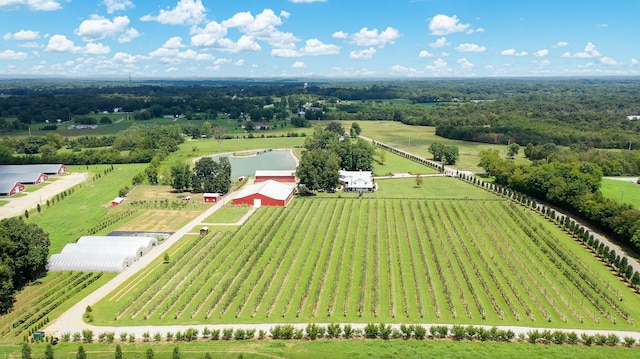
37 5
441 42
244 44
98 27
22 35
117 5
635 61
424 54
209 36
340 35
561 44
471 31
366 37
445 25
306 1
313 47
124 58
512 52
470 48
363 54
13 55
262 27
541 53
186 12
221 61
589 52
465 64
403 69
239 62
174 43
608 61
602 25
96 49
438 64
128 35
60 43
299 65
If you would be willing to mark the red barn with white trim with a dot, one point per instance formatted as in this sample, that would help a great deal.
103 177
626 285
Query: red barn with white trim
268 193
10 188
286 176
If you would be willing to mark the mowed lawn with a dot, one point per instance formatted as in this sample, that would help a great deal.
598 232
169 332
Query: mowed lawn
71 217
415 260
417 139
627 191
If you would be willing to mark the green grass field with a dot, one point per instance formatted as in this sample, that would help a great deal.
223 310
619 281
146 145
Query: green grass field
357 348
626 191
403 261
417 139
228 214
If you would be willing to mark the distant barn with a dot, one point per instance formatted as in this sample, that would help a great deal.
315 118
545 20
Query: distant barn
9 188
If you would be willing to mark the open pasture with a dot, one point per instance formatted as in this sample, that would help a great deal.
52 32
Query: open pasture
623 190
379 260
158 220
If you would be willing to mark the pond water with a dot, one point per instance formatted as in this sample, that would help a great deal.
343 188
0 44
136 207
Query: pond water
247 163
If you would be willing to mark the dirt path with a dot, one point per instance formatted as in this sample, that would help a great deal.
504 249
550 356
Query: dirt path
17 205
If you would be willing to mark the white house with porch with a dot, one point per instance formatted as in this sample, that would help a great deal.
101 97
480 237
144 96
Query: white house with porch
357 181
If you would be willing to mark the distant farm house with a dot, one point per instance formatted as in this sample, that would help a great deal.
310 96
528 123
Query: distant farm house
633 117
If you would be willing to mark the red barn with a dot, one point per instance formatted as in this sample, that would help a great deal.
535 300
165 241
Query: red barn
211 197
117 201
286 176
268 193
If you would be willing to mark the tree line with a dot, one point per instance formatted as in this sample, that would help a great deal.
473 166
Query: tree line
327 152
24 249
206 176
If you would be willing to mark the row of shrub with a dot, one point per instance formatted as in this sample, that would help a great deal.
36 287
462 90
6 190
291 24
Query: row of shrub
369 331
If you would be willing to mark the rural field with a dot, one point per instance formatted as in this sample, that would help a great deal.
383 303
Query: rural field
468 259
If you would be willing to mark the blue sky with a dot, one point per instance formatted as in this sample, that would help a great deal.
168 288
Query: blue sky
318 38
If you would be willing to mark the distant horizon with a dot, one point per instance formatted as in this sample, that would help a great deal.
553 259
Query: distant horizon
333 39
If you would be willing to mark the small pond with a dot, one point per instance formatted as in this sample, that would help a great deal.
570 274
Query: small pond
246 163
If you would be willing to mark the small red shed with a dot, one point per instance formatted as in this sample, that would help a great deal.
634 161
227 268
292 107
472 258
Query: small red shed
211 197
268 193
116 201
284 176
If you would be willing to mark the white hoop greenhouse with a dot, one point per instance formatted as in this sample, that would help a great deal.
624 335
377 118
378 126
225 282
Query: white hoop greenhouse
101 253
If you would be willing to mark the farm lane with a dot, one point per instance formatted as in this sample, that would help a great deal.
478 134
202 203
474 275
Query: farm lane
17 205
633 260
71 321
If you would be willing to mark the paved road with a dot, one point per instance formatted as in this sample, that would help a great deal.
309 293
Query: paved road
17 205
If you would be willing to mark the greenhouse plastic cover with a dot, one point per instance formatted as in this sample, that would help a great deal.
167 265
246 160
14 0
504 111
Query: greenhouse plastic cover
101 253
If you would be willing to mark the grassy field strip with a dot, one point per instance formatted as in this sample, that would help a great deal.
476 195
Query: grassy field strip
300 263
321 282
493 240
275 261
336 266
581 281
264 240
292 251
404 289
365 262
311 263
545 269
450 275
351 255
256 238
423 266
408 252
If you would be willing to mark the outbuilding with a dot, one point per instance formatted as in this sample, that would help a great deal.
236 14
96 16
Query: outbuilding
211 197
117 201
268 193
9 188
357 181
284 176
